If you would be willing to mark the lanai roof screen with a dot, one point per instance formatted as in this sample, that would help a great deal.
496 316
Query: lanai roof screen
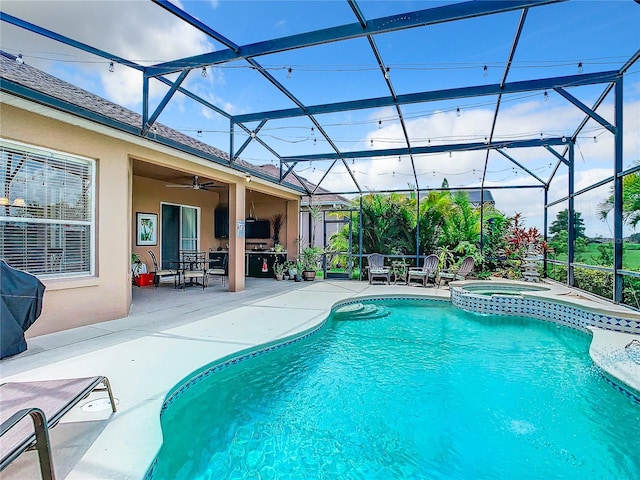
360 96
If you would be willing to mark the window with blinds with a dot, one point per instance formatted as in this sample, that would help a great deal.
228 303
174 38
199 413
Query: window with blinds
46 210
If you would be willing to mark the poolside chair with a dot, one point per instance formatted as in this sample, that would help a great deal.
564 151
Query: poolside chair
46 402
466 267
159 273
377 269
218 269
428 270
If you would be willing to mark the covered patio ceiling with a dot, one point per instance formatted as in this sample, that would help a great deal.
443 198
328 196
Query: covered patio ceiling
336 102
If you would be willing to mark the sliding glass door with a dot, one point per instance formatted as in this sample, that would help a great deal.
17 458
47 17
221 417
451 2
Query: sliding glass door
180 231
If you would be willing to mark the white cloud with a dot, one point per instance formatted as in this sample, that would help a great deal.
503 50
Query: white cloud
130 29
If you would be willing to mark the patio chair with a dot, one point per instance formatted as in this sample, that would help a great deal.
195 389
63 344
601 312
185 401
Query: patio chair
466 267
428 270
46 402
377 269
195 271
159 273
219 269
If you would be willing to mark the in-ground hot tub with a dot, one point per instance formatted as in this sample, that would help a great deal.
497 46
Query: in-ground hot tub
496 288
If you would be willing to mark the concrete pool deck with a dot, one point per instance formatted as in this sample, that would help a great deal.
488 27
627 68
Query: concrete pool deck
168 335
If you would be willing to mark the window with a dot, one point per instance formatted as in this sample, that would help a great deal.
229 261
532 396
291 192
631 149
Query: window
47 218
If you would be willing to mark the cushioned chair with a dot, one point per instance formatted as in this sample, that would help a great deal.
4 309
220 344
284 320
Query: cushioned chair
377 269
159 273
466 267
218 270
428 271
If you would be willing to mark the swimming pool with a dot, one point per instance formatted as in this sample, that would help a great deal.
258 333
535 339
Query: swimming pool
425 391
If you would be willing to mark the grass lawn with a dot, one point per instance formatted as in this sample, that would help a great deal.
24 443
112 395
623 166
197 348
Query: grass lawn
630 255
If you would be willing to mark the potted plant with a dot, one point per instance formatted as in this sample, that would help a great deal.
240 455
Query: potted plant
297 269
276 224
310 259
279 269
137 265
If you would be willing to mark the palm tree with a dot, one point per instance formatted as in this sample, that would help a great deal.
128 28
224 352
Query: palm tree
462 223
433 211
630 200
388 225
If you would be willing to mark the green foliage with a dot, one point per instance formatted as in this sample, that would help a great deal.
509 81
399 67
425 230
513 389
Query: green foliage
560 242
580 246
483 275
462 223
280 268
445 257
310 256
495 237
468 249
631 291
434 208
605 255
387 224
594 281
630 199
561 223
449 226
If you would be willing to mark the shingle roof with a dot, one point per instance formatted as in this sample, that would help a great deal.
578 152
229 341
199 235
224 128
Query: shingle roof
475 196
48 86
324 196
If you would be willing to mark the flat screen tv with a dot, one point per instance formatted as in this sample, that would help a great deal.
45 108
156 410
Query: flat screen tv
258 229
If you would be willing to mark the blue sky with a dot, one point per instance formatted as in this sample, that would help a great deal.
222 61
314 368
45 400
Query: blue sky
601 35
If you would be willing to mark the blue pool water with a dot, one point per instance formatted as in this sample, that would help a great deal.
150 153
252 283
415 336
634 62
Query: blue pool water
426 392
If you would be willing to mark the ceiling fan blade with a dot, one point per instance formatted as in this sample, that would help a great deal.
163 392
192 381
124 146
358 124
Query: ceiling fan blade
196 185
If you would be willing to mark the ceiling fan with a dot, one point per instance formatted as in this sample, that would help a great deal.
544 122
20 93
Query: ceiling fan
196 185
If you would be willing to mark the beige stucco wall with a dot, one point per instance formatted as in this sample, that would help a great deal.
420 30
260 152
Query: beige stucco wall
75 302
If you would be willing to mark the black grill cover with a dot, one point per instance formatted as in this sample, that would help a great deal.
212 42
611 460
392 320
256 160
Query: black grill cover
20 305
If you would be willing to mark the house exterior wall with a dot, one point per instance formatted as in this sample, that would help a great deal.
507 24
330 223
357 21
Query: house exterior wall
74 302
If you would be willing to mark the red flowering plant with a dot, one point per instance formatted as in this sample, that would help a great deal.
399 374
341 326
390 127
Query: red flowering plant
518 241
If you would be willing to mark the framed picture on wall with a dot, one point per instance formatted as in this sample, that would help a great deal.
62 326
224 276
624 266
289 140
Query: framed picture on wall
146 228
